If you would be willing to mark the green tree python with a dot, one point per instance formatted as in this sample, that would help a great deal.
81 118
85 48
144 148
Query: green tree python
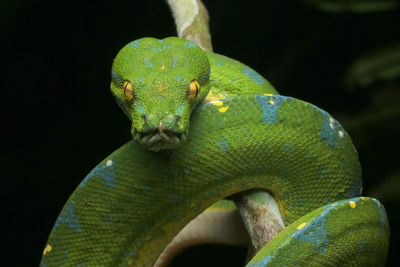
205 127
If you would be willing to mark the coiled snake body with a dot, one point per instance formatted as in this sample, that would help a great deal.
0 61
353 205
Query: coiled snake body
206 127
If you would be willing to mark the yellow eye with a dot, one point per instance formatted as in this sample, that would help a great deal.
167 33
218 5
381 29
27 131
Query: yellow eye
194 89
127 90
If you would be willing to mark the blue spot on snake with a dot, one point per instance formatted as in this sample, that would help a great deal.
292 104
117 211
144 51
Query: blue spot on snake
180 110
179 78
189 44
218 63
223 145
330 127
116 76
174 60
254 76
383 216
355 189
134 44
269 105
105 171
140 109
160 48
68 217
148 63
315 232
288 147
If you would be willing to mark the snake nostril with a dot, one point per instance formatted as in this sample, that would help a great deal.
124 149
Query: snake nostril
168 121
153 120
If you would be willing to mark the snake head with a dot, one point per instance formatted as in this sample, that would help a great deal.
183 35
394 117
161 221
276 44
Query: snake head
158 83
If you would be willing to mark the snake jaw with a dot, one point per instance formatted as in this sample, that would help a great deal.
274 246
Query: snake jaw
160 138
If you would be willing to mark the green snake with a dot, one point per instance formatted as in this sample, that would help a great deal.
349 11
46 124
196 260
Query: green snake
205 127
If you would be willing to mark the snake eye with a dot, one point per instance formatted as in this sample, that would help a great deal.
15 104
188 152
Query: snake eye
127 90
194 89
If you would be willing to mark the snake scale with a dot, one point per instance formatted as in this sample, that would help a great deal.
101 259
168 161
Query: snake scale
205 127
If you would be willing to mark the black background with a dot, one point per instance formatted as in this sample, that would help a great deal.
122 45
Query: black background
60 120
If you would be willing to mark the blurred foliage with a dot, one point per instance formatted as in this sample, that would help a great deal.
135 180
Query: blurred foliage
359 6
381 115
381 65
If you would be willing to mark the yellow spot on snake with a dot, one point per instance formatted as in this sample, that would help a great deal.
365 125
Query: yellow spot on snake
362 198
271 99
162 66
301 225
352 204
211 97
47 249
223 109
218 103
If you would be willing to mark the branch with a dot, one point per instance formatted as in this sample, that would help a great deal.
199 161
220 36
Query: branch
191 19
261 218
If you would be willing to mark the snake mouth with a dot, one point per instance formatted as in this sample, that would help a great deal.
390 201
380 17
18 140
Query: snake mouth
160 138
